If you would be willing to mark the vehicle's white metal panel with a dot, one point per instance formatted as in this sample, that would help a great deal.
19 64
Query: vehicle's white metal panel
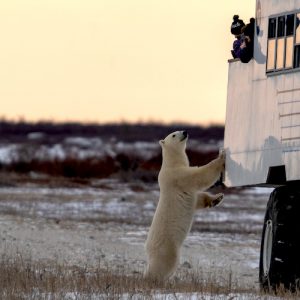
288 96
251 168
239 90
260 45
273 7
252 135
292 159
263 112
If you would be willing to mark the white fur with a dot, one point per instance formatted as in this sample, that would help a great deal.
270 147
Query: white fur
179 184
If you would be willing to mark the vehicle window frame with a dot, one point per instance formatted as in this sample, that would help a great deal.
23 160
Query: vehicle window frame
279 38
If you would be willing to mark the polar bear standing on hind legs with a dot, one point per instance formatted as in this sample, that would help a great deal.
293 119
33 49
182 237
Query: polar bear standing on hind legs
179 198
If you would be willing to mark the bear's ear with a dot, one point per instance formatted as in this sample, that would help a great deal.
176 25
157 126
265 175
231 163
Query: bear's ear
162 142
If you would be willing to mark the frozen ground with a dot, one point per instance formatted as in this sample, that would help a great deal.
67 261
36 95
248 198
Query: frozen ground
106 223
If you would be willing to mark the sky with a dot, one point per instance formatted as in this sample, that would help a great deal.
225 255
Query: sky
116 60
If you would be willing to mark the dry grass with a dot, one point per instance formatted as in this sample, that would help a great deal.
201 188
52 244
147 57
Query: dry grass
25 279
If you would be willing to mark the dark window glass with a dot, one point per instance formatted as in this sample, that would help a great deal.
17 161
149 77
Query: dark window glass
280 27
272 28
290 20
297 57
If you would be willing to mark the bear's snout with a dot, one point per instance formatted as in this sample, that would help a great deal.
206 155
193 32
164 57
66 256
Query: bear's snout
184 135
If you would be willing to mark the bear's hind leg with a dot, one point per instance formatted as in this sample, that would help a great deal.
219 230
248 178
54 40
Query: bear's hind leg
208 200
161 266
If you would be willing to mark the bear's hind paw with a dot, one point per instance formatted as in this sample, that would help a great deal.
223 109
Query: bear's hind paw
217 200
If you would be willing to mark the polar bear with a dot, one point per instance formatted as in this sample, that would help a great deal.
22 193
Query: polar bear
179 184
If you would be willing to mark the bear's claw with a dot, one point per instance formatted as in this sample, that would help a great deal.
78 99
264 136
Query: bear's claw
222 153
217 200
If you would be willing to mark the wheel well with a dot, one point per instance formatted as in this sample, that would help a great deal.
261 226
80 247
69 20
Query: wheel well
276 175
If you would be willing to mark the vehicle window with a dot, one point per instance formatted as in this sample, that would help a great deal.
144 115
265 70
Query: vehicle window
290 20
272 28
298 29
283 43
280 26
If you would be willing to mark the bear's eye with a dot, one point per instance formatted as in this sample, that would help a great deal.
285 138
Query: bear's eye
173 135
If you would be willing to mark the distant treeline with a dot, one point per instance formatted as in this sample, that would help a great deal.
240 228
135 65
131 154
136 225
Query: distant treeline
127 132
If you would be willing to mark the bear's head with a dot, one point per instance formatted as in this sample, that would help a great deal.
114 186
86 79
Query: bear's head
175 140
173 147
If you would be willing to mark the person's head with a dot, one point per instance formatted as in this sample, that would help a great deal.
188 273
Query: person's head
236 25
248 29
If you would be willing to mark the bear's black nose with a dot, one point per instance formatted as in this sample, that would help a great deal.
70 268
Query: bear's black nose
184 133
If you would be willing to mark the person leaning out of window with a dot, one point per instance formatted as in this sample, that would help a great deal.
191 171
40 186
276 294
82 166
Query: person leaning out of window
236 28
246 48
244 34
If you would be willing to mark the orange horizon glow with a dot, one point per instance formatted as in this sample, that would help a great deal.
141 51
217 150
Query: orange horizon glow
99 61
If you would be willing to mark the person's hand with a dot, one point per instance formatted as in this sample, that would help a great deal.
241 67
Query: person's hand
243 45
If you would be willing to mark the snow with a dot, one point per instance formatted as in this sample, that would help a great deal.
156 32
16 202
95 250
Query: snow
226 237
7 153
245 209
35 135
141 149
84 142
211 146
258 191
80 224
55 152
83 148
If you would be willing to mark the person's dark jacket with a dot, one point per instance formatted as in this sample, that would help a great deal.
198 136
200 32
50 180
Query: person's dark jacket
249 29
246 54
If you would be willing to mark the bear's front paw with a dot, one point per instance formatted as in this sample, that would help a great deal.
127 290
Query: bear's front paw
217 200
222 154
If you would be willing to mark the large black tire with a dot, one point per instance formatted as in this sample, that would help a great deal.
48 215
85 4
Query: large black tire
280 245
